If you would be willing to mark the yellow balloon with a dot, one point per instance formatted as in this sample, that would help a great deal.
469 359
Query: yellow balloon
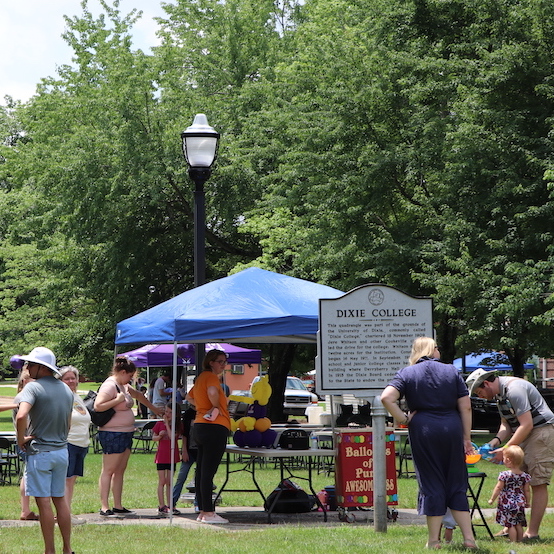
247 424
261 390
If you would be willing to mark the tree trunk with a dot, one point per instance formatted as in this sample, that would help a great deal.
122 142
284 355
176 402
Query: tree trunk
280 362
517 359
446 340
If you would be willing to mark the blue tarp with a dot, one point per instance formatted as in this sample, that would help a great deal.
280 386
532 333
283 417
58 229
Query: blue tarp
252 306
488 360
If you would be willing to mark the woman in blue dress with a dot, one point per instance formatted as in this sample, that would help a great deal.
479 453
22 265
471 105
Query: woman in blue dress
439 428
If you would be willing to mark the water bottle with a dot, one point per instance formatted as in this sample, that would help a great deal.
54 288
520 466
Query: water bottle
485 451
314 441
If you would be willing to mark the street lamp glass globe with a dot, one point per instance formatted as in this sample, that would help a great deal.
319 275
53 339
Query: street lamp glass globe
200 142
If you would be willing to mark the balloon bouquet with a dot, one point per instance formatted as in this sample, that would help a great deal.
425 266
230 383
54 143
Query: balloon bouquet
254 429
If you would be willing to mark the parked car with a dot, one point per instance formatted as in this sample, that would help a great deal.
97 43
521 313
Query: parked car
309 384
297 397
485 414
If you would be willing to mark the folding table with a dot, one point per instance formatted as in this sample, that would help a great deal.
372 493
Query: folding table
284 458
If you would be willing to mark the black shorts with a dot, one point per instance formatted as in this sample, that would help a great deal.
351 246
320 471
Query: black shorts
76 460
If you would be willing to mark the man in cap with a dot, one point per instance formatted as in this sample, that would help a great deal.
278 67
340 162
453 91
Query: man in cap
527 421
46 406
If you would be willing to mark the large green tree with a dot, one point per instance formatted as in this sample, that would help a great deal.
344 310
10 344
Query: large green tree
375 141
102 152
407 143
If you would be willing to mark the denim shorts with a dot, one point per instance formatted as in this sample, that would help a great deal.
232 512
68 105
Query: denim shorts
76 460
115 443
45 473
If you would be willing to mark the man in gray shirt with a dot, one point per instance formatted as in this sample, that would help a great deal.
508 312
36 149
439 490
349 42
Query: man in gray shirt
526 421
160 397
46 406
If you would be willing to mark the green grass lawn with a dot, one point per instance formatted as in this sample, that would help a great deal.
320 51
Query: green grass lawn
8 388
285 539
140 492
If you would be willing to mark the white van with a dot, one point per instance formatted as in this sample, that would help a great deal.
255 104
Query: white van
297 397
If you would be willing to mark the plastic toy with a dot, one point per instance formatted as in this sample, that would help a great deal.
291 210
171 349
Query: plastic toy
472 459
485 452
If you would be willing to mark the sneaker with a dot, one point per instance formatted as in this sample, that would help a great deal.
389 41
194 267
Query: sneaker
190 486
122 511
107 513
196 509
199 518
215 518
163 510
176 512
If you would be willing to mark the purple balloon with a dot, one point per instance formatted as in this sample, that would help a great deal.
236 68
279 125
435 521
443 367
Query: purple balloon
239 439
253 438
258 411
268 438
16 362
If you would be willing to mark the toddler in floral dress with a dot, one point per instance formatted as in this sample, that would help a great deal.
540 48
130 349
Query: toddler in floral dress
512 491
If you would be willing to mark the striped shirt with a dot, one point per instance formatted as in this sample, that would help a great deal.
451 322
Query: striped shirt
518 396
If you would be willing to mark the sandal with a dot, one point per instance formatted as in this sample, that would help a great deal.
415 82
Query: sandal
527 538
434 545
31 516
470 544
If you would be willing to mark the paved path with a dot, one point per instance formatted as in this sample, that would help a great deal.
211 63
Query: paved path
240 518
249 518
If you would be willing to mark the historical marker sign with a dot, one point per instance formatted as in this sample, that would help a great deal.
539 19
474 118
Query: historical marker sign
365 337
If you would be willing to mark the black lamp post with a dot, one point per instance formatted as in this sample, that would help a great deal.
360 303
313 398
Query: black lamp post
200 149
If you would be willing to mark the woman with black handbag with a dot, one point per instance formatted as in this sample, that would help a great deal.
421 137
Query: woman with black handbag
116 436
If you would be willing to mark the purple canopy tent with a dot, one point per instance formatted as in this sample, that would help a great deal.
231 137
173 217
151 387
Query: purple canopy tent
161 355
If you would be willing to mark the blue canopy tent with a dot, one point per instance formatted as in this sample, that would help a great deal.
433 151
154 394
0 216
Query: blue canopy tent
497 361
252 306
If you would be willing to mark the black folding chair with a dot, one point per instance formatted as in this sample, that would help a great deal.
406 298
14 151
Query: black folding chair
142 439
9 462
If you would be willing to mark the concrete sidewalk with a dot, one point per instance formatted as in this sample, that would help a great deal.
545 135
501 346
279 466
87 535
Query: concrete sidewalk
248 518
240 519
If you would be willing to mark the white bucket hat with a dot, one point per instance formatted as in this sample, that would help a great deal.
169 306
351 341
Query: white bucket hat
475 379
43 356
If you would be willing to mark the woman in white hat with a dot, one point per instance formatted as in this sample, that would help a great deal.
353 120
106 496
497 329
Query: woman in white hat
526 421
